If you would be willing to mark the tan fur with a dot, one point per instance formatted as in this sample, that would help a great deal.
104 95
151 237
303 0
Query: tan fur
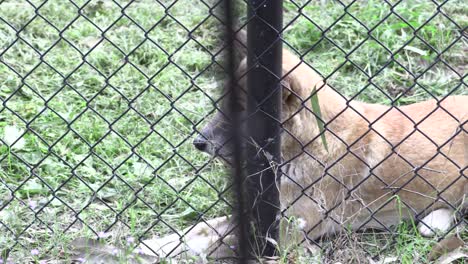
345 183
383 165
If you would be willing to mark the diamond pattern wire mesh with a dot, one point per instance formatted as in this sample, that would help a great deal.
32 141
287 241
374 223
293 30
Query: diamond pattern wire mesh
367 55
86 85
101 100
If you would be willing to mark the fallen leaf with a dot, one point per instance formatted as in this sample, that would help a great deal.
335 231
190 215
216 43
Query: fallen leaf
90 41
13 137
142 169
446 245
416 50
451 257
386 260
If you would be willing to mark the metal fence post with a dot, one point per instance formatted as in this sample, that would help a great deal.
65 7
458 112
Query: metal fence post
264 107
235 133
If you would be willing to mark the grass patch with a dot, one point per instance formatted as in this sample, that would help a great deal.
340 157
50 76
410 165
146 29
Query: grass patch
107 101
107 120
360 48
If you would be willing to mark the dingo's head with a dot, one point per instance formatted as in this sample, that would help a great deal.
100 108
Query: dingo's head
298 82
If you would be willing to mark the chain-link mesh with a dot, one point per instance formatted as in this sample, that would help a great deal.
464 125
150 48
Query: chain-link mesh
358 155
101 101
100 104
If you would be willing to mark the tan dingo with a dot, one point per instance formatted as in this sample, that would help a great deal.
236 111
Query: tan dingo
383 164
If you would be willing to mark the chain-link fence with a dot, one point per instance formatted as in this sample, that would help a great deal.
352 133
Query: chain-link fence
102 102
370 141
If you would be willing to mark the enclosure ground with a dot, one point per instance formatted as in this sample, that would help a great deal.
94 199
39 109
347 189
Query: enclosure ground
100 109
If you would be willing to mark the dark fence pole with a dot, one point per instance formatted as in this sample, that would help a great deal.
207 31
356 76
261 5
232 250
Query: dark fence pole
264 107
235 133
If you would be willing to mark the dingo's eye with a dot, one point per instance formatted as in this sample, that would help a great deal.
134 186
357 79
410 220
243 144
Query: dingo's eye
238 107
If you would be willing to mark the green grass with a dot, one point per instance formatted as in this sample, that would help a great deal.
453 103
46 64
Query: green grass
97 133
94 169
367 59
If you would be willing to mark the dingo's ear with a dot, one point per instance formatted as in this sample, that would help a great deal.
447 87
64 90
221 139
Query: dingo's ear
293 88
290 86
299 79
293 75
240 46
